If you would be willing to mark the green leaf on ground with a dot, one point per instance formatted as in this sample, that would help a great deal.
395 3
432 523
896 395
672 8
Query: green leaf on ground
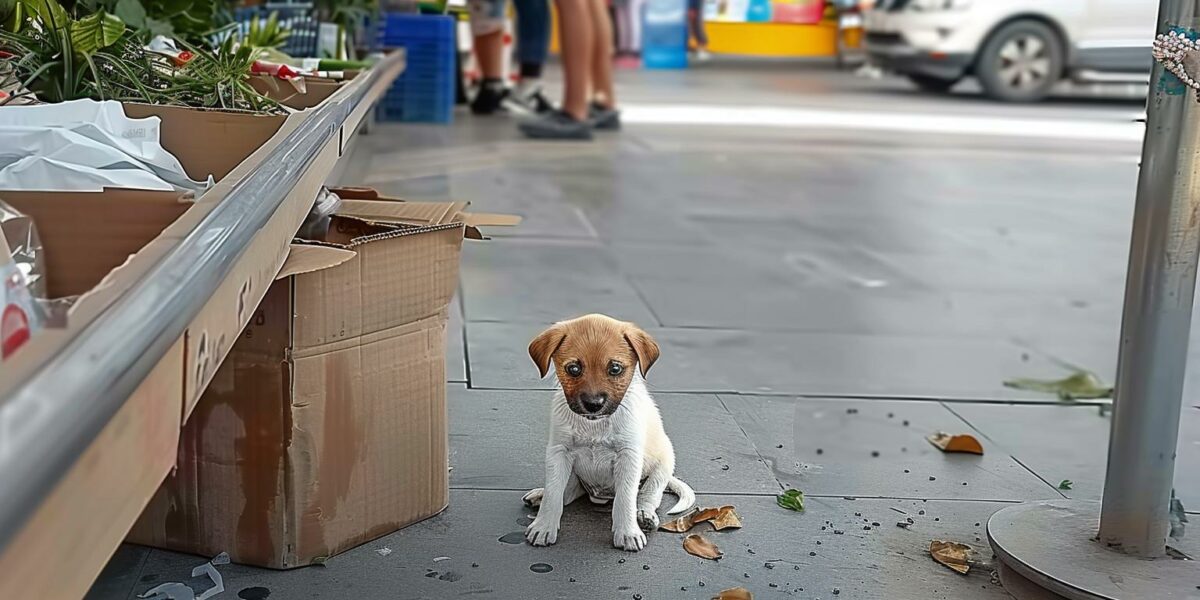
1065 484
791 499
1081 385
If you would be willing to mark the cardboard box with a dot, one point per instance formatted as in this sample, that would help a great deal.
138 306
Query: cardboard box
325 427
208 141
85 235
316 90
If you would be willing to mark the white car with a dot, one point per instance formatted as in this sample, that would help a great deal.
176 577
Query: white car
1018 49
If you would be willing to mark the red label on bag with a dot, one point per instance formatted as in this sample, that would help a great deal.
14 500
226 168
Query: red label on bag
14 330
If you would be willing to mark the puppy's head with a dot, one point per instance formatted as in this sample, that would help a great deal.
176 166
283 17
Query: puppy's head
594 357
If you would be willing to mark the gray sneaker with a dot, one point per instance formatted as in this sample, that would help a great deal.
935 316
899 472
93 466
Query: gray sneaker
604 119
556 125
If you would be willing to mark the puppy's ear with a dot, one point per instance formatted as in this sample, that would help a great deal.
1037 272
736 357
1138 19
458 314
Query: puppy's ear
543 346
643 346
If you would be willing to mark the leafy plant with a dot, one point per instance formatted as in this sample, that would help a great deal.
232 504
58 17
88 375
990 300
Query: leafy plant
349 15
56 56
266 33
192 20
791 499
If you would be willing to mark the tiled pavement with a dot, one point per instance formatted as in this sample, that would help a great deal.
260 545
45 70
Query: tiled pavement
823 300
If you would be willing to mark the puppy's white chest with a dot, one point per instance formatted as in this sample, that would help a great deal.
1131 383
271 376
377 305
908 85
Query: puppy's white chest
594 466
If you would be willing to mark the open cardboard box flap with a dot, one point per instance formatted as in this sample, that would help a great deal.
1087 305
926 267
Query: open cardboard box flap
307 256
368 205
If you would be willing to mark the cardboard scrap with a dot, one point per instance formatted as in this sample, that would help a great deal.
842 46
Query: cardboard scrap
956 443
724 517
698 545
951 554
737 593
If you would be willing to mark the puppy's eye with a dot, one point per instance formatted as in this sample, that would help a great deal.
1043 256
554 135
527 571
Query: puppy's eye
574 370
615 369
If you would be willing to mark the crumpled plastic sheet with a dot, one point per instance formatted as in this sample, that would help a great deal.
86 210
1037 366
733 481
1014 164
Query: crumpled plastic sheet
25 247
178 591
316 224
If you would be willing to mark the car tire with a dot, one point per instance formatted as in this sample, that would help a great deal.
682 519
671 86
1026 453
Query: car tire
932 84
1021 62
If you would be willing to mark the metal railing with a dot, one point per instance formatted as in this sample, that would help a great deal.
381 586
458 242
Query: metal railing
52 416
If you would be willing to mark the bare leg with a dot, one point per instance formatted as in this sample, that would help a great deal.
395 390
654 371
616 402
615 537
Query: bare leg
602 54
576 35
489 50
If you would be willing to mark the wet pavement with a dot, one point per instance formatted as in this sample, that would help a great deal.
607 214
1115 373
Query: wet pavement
827 287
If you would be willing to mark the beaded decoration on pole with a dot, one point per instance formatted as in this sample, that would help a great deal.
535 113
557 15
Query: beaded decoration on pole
1179 55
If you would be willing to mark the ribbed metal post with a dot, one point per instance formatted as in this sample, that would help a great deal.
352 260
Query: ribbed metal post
1158 313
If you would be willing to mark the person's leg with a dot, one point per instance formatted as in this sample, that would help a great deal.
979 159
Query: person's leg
602 55
637 10
696 25
533 36
577 38
487 25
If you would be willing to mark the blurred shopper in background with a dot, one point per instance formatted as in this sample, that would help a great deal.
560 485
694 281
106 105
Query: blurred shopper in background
628 24
533 43
696 28
589 100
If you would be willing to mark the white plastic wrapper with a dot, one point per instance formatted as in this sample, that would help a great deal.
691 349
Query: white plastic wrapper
24 247
316 224
85 145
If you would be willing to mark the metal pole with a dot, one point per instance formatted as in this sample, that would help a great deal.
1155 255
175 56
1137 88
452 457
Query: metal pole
1158 312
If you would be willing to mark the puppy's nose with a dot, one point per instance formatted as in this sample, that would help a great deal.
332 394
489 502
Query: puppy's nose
593 402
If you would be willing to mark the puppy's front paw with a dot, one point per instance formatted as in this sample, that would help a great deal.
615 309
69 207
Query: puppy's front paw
632 540
541 533
647 520
533 498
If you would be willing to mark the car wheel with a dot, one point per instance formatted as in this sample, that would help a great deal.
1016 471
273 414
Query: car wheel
1021 62
932 84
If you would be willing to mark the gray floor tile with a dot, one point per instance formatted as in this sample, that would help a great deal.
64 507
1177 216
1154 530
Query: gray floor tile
123 575
876 448
809 560
1071 442
546 281
695 360
498 441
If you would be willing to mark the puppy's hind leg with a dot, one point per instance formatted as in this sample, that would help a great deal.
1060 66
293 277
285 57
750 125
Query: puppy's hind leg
650 496
575 491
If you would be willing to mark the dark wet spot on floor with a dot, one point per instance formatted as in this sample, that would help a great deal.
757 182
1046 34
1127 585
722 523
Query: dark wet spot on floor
150 577
254 593
540 568
515 537
451 576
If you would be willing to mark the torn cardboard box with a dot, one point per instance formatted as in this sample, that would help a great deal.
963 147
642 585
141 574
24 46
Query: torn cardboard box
325 427
315 90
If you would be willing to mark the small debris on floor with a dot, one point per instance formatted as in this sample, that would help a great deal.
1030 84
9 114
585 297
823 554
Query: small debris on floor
1080 385
441 558
179 591
724 517
698 545
540 568
384 551
737 593
791 499
1179 518
951 554
962 442
1065 484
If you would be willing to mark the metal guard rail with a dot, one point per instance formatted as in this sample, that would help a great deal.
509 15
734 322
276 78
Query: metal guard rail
65 404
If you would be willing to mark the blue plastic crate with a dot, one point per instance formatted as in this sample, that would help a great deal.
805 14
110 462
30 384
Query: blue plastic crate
425 92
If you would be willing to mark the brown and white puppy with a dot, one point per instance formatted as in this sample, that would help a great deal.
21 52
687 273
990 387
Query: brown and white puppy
606 434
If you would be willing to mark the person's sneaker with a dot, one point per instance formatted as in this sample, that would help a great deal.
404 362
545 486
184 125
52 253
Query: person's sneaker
556 125
528 101
604 118
702 55
489 98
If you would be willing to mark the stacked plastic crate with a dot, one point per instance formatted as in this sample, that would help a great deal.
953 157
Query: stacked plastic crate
425 92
